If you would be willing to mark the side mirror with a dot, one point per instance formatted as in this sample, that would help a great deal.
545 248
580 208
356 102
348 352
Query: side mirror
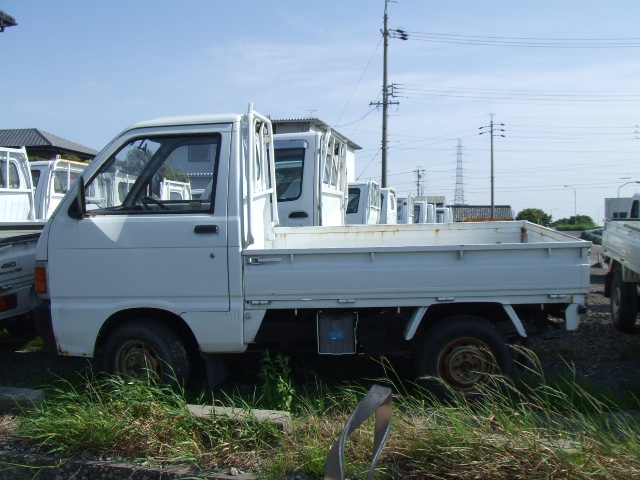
79 207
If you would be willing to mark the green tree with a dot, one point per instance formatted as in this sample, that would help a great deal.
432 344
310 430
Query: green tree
534 215
582 220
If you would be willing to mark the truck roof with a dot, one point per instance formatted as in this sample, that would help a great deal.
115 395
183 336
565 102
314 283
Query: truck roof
188 120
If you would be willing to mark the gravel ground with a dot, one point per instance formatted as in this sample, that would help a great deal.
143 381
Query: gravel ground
596 351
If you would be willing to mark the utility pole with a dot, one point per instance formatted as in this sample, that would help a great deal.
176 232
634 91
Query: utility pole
385 91
385 98
492 134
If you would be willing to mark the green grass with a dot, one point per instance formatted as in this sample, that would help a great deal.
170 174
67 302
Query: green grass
511 430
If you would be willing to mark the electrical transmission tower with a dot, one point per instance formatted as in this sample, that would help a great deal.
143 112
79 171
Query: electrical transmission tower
458 198
419 174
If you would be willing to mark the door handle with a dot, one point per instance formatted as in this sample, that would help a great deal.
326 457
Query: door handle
206 229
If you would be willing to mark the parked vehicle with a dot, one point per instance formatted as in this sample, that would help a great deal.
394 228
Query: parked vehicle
621 250
16 190
424 212
443 215
406 209
364 205
29 193
188 280
311 179
18 244
388 206
52 179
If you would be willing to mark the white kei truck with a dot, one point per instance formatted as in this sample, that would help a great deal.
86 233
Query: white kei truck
311 178
185 283
29 192
621 250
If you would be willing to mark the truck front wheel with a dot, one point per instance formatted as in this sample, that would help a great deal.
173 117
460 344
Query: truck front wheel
146 349
461 353
624 302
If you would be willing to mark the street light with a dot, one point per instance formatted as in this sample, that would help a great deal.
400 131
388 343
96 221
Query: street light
575 204
618 200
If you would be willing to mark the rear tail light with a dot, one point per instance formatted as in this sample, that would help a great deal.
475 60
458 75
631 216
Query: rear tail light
8 302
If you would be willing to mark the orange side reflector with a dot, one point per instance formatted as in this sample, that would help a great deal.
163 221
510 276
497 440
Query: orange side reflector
41 280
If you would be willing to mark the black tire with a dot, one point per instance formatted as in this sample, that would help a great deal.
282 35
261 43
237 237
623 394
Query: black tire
463 352
144 349
624 302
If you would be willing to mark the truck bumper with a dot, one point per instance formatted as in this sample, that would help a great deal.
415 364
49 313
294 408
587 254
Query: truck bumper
44 326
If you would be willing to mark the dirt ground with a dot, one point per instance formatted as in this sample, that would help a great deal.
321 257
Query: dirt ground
596 351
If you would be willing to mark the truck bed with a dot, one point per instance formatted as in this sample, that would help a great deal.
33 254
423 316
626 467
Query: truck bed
18 242
621 242
375 265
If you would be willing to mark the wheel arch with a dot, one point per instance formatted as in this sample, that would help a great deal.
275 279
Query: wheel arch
493 312
170 320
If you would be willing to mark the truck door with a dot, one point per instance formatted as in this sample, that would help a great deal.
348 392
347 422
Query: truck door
133 249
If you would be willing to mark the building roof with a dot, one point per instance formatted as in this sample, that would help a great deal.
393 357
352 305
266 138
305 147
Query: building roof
440 200
34 137
294 125
470 213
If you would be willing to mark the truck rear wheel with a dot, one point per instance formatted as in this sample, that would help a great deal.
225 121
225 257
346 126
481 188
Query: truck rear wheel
624 302
463 352
146 349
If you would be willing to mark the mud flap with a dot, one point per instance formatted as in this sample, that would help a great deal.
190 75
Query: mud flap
216 368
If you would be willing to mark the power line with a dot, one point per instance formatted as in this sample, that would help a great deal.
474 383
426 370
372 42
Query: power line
357 84
525 42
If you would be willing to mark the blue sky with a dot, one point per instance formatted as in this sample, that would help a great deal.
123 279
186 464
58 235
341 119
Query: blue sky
86 70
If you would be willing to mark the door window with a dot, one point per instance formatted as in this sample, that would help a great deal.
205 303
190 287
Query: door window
131 180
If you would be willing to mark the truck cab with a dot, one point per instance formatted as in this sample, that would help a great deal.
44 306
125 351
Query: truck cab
52 179
406 209
423 212
16 189
443 215
364 203
388 207
311 179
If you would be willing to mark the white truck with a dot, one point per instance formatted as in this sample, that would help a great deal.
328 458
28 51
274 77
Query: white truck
364 203
450 296
406 209
19 232
621 250
29 193
423 212
311 179
388 206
